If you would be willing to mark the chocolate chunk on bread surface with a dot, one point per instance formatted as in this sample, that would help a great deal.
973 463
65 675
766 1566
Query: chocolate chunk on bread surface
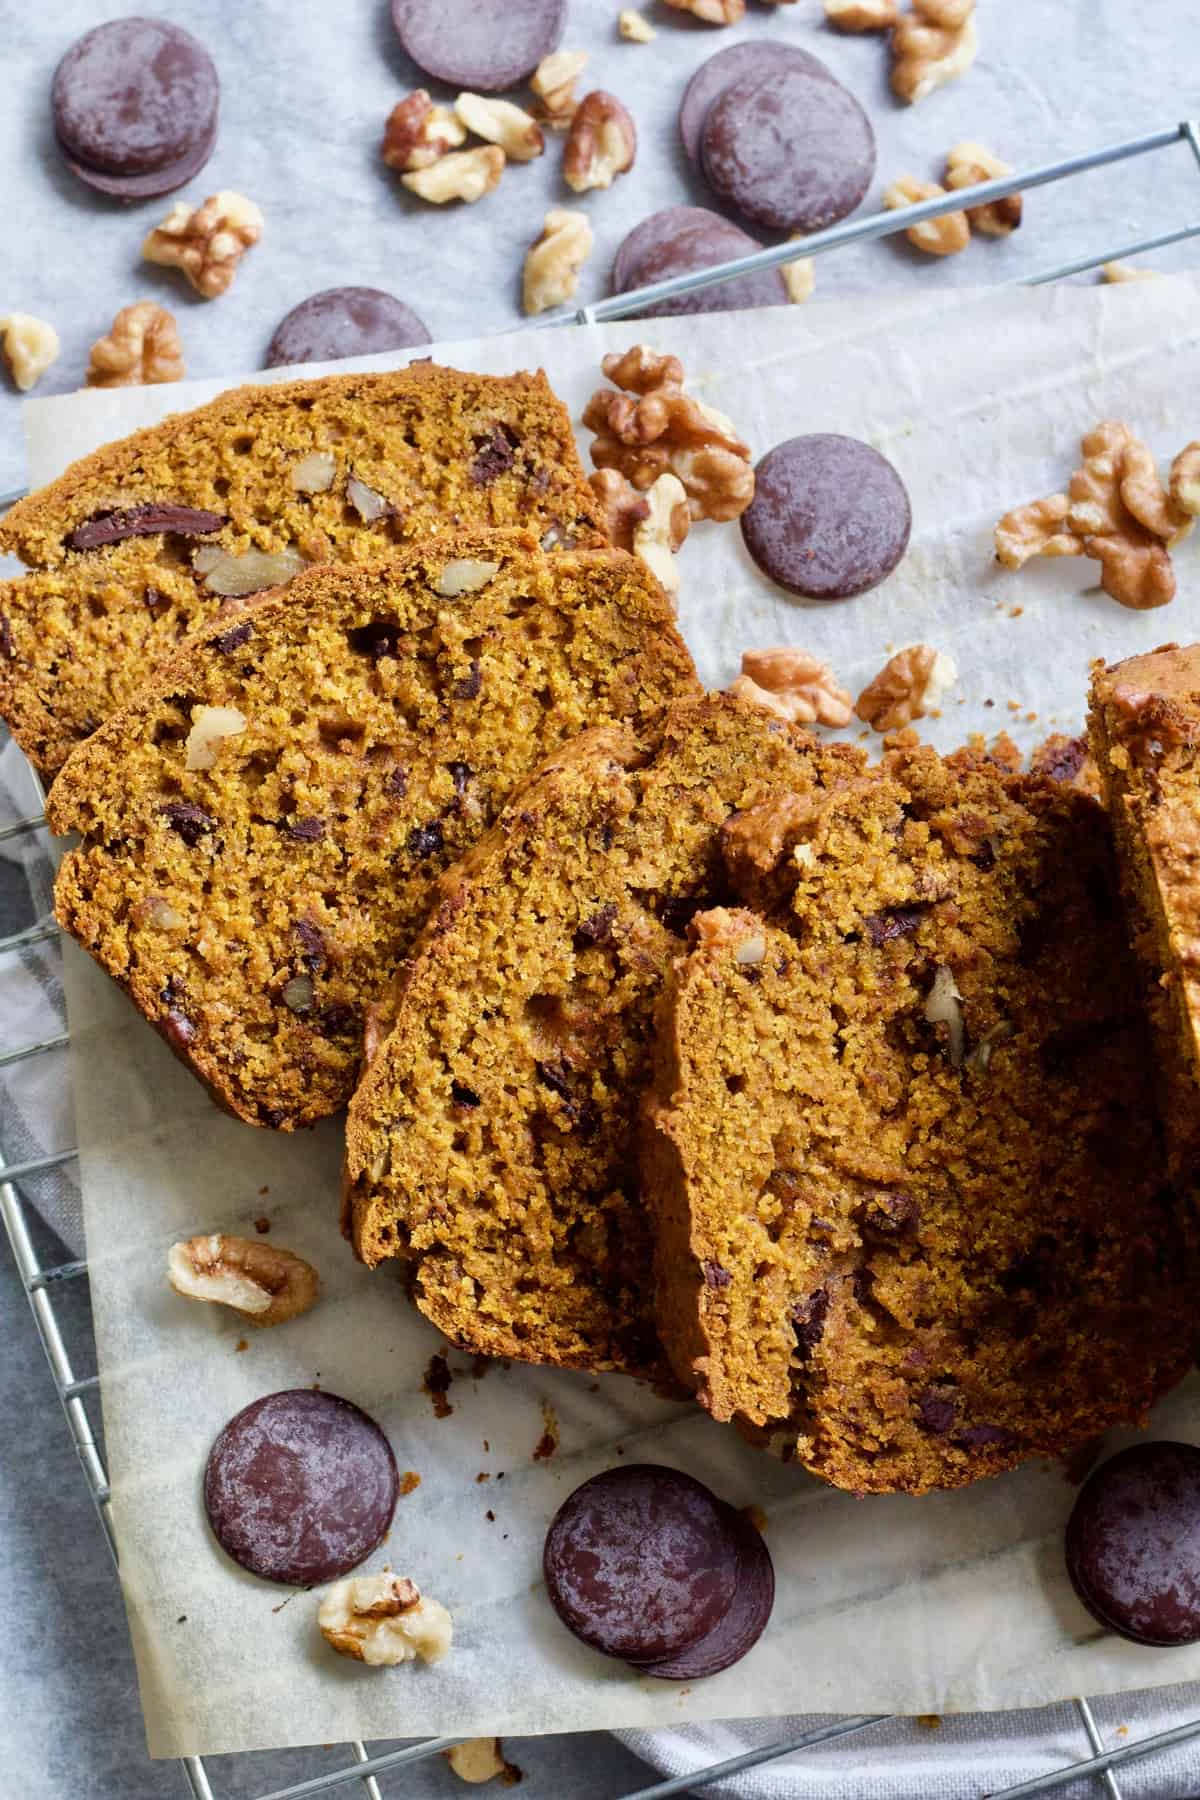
912 1211
263 826
492 1142
1144 732
145 540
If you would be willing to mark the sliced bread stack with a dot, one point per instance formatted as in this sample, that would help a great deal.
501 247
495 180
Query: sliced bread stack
153 537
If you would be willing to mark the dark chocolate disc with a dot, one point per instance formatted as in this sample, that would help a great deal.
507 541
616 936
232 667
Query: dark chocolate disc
344 321
680 239
727 66
135 106
641 1561
736 1634
484 45
792 151
830 517
300 1487
1133 1544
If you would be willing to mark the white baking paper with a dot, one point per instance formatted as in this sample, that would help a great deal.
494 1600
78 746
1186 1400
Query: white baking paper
950 1602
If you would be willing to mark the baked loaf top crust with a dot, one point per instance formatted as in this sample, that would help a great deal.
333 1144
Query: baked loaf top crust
341 468
913 1220
492 1141
1144 728
262 827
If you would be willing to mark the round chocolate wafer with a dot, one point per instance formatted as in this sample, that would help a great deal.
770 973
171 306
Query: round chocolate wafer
300 1487
759 55
830 517
735 1635
680 239
790 150
135 105
640 1562
344 321
1133 1544
483 45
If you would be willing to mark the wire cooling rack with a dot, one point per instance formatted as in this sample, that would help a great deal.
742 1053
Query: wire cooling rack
42 1283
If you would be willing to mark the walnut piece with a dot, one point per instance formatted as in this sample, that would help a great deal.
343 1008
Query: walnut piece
314 473
937 237
461 175
384 1620
1147 498
481 1759
602 143
635 27
966 166
234 576
463 575
800 276
263 1281
624 508
1116 272
793 685
712 12
500 122
928 55
417 133
664 429
29 347
908 686
1039 529
554 261
943 1006
948 15
667 523
1185 480
142 348
207 242
211 725
862 15
553 81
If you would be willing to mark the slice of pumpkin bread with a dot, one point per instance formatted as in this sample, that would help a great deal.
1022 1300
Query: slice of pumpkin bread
1145 735
913 1222
146 539
262 827
492 1141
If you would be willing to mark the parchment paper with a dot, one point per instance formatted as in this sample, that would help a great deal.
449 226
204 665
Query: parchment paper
950 1602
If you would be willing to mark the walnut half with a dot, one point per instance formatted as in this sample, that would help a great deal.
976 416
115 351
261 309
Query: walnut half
264 1282
142 348
793 685
602 143
553 263
207 242
29 347
384 1620
908 687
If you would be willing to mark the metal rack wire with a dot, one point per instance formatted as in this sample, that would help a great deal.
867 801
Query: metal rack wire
41 1283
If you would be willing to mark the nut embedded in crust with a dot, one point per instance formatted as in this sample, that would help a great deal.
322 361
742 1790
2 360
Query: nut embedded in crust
262 1281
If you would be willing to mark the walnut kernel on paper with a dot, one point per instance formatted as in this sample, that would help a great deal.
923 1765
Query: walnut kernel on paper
635 27
799 276
265 1282
909 686
1185 480
207 242
465 175
793 685
712 12
142 348
553 263
1039 529
927 54
966 166
477 1760
384 1620
417 133
936 237
1114 273
662 532
501 122
624 508
29 346
602 143
553 81
862 15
